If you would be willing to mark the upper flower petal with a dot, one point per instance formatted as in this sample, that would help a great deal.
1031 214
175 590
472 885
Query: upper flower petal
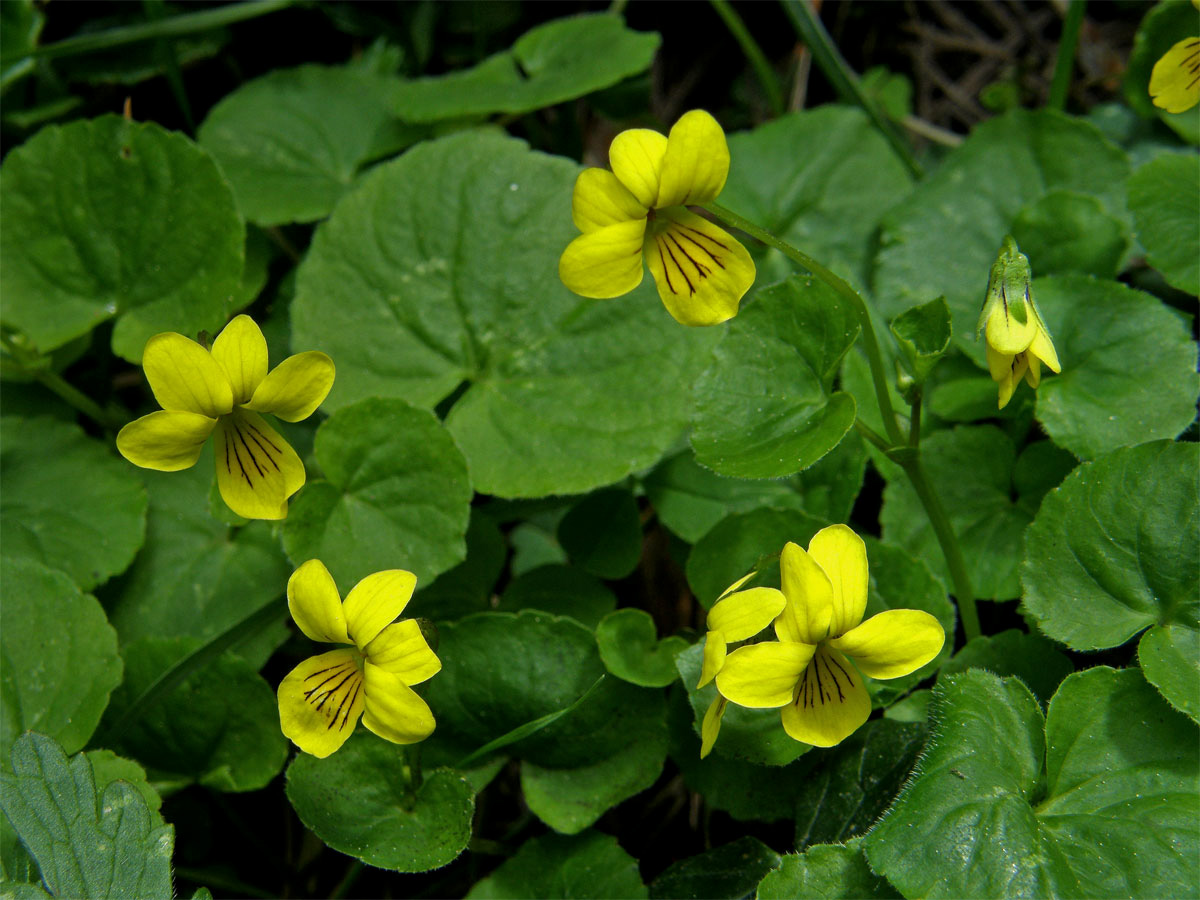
375 602
696 163
714 657
166 440
185 377
296 387
762 676
711 725
701 270
600 200
843 556
809 593
636 157
393 709
241 350
1173 82
257 470
830 702
320 701
892 643
313 600
744 614
604 263
401 649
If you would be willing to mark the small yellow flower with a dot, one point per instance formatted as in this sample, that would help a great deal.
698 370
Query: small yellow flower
321 699
639 210
1175 81
1018 341
807 673
226 389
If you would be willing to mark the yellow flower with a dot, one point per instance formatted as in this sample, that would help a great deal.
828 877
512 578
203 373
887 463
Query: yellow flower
321 699
226 389
807 673
639 209
1018 342
1175 81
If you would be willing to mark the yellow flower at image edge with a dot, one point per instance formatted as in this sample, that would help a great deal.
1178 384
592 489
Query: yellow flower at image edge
225 389
321 700
1175 80
807 672
639 211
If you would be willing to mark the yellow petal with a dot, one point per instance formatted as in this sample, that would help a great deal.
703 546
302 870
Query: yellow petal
315 605
696 163
185 377
702 271
320 701
605 263
744 614
295 387
1043 349
256 468
830 702
737 584
714 657
711 726
167 441
762 676
1033 374
892 643
402 650
601 200
376 601
1175 80
394 711
842 555
1005 332
809 593
636 158
241 351
1000 365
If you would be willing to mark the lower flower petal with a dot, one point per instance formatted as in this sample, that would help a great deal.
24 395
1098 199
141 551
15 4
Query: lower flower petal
315 605
1173 83
830 702
166 441
320 701
892 643
714 657
701 270
376 601
296 387
604 263
1008 334
744 614
256 468
711 726
763 676
393 710
402 650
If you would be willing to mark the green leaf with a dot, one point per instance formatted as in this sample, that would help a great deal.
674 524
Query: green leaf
560 591
360 802
589 865
467 588
1163 26
602 533
923 334
1170 660
631 650
112 219
971 468
66 501
826 872
943 238
1066 231
1164 196
733 871
1030 657
820 180
764 408
85 843
292 142
219 727
60 656
107 767
396 495
1099 800
428 291
1040 468
558 61
1129 367
1109 555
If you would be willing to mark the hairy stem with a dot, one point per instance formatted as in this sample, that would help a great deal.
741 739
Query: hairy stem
1065 63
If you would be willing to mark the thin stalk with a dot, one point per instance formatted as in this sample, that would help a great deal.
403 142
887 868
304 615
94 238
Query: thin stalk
175 26
872 435
60 386
156 12
932 132
1065 63
961 581
342 889
871 343
843 78
412 756
914 421
762 68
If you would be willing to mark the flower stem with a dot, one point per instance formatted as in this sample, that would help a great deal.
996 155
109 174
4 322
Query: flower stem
1065 63
412 758
762 68
871 343
51 380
